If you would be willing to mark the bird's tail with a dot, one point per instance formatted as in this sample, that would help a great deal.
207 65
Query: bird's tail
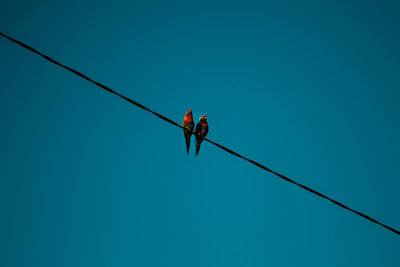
187 139
198 147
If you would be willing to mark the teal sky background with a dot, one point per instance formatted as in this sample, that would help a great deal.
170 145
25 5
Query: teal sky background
308 88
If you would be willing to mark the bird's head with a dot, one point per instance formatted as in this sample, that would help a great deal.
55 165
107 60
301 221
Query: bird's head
189 113
203 118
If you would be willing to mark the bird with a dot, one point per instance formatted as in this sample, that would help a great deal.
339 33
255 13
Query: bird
201 132
188 124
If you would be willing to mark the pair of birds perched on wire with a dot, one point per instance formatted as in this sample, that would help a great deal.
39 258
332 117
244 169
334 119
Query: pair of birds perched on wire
200 132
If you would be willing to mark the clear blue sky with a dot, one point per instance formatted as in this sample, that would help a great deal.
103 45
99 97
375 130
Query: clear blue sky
310 89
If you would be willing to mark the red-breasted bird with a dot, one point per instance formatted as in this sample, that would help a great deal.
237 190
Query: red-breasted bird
188 123
201 132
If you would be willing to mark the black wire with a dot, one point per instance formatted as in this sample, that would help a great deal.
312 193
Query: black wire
208 140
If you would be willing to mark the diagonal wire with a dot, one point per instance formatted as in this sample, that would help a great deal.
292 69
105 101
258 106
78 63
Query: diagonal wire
208 140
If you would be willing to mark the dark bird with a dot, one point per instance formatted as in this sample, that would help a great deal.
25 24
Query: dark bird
188 123
201 132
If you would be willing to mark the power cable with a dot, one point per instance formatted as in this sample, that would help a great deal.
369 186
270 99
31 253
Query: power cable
208 140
